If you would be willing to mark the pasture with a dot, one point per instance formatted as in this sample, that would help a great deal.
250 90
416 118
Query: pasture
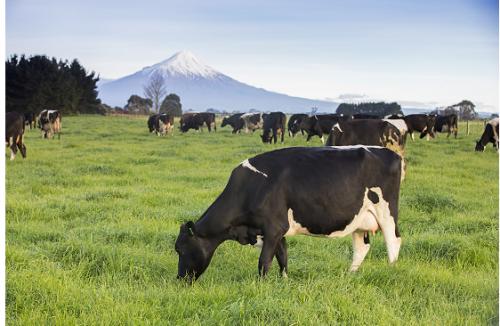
92 218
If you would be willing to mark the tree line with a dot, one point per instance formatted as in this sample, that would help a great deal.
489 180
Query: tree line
39 82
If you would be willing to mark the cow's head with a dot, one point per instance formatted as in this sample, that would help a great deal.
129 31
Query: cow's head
266 137
194 253
479 146
225 122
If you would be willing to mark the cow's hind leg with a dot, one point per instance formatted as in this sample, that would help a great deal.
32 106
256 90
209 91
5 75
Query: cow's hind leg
13 148
282 257
20 145
387 224
360 246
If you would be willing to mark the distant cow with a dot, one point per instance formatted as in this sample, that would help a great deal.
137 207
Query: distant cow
14 133
235 121
194 120
366 132
490 135
447 123
161 124
30 119
319 191
423 123
320 125
274 122
294 124
252 121
50 122
208 119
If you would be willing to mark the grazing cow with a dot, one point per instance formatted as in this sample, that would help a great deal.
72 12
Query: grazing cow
191 120
235 121
447 123
366 132
322 191
50 122
161 124
423 123
252 121
320 125
490 135
209 120
294 124
275 122
14 133
30 119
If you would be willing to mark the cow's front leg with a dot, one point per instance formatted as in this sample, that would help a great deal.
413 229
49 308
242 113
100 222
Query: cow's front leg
275 135
267 253
282 257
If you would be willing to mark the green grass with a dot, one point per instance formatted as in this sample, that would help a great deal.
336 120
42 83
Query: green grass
92 219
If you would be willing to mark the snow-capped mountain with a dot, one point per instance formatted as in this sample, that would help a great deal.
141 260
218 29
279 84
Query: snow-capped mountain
201 87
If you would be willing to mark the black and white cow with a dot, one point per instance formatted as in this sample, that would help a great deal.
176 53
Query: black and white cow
14 133
320 125
209 120
399 122
366 132
161 124
490 135
323 191
423 123
252 121
274 122
30 119
294 124
447 123
50 122
235 121
196 120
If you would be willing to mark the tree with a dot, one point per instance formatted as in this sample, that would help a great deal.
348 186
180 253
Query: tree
138 105
465 110
38 82
172 105
155 89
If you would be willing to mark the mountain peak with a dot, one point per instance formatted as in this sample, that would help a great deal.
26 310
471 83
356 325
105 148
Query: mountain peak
183 63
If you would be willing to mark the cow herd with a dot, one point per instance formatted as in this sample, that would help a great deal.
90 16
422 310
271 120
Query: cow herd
348 187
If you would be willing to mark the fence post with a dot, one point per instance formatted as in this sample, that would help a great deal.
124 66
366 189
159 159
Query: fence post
467 127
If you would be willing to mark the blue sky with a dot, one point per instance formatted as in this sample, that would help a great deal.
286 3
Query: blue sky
432 52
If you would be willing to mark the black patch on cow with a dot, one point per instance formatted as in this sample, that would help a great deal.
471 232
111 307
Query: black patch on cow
373 197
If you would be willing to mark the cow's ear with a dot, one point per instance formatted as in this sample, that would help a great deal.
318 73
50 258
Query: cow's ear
190 228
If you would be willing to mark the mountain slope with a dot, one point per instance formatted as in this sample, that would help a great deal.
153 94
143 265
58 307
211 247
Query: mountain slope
201 87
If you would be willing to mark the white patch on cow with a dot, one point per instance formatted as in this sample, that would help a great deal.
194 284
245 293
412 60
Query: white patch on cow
259 242
494 124
284 274
12 155
337 126
400 124
348 147
294 227
246 164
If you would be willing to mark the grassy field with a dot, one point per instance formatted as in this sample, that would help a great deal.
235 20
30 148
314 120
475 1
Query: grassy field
92 219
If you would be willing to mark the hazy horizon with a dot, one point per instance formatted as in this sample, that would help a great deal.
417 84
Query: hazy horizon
418 54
